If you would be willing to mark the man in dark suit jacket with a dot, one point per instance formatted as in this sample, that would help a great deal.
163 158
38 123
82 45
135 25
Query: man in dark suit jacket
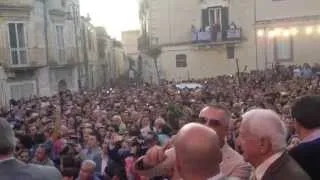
285 168
262 139
306 112
13 169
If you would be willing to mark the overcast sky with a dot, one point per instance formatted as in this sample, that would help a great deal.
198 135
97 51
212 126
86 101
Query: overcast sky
114 15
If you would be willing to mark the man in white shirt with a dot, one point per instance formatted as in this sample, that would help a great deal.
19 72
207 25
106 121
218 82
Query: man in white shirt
262 139
160 161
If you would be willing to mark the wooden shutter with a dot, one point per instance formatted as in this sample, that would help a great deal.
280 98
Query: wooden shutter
225 21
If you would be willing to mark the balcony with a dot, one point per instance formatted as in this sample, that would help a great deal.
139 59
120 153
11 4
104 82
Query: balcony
16 4
213 37
23 59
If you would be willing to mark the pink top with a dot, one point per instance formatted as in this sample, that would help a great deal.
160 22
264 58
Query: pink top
131 175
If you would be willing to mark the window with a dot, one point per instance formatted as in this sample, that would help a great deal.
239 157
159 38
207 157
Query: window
18 48
283 49
22 90
181 61
60 44
218 16
76 14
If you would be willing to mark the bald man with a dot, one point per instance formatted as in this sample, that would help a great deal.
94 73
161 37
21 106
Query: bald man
159 161
198 153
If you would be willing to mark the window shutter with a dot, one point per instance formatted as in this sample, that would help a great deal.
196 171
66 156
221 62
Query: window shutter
225 21
205 18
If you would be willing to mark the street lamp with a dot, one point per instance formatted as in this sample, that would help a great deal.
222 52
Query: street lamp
260 33
309 30
271 34
286 33
277 32
294 31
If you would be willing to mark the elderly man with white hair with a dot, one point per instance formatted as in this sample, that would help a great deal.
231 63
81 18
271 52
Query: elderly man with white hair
160 161
262 138
87 171
161 128
117 120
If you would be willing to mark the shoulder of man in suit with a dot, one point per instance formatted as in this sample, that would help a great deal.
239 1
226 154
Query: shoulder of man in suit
41 168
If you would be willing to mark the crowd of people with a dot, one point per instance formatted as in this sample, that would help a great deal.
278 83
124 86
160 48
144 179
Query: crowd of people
239 127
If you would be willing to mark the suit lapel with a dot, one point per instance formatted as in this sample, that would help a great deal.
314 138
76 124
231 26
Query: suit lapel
276 166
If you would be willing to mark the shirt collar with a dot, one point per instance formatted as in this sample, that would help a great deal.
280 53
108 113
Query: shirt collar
6 159
262 168
313 136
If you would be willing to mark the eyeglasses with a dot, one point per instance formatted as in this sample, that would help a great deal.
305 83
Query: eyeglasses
209 122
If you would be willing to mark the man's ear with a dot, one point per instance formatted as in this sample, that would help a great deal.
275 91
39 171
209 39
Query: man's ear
265 145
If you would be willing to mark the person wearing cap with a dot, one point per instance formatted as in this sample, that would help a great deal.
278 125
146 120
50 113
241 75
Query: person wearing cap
11 168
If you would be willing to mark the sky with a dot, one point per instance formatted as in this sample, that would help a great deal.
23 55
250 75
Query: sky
115 15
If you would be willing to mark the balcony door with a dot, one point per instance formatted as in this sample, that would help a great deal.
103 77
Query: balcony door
17 41
60 44
215 17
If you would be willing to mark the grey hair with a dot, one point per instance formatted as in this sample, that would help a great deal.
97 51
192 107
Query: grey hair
7 138
266 123
90 163
224 108
160 120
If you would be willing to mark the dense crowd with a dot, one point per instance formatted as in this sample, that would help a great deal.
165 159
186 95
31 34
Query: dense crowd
101 134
